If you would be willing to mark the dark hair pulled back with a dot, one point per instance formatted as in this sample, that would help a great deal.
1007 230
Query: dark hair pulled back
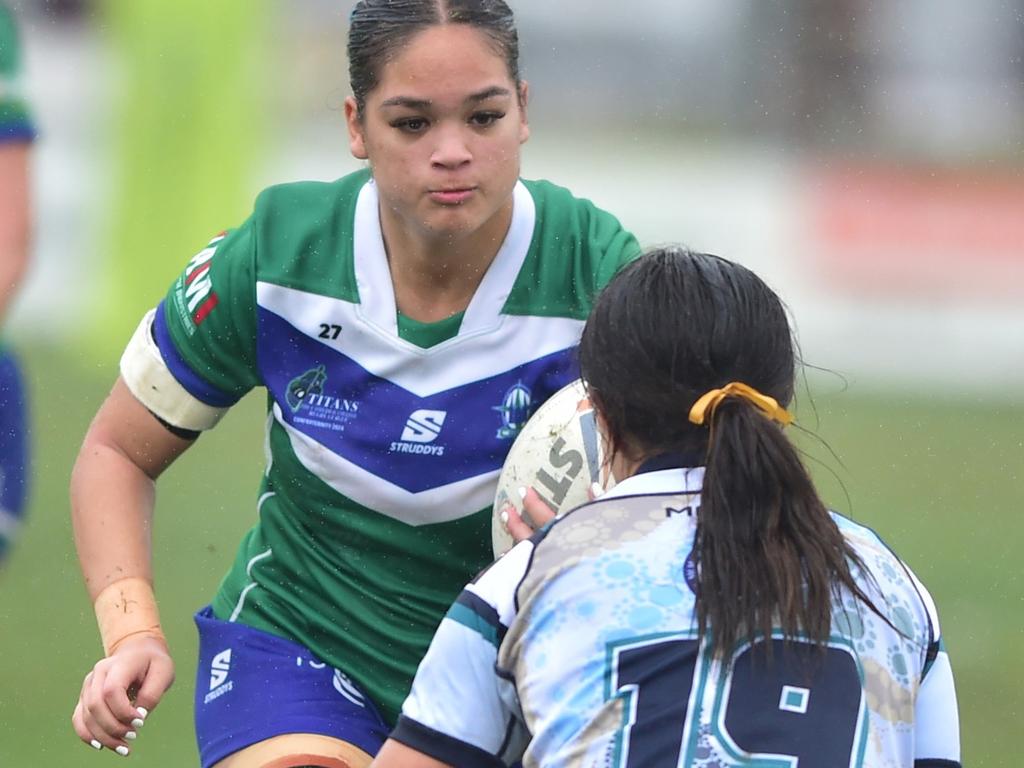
670 327
378 29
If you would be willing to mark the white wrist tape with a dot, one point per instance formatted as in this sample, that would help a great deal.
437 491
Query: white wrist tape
151 381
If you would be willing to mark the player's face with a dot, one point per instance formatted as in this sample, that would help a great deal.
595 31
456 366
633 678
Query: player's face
442 131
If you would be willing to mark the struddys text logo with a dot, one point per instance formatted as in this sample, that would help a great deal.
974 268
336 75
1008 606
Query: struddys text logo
311 404
514 410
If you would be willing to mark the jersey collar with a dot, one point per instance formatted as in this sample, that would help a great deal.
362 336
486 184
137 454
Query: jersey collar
677 480
373 278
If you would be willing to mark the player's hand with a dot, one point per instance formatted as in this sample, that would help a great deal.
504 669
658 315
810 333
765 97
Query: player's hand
120 691
536 515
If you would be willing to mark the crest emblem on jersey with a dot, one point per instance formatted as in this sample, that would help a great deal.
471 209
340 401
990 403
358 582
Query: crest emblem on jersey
514 410
301 387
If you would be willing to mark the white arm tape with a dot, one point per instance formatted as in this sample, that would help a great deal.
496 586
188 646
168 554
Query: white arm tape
151 381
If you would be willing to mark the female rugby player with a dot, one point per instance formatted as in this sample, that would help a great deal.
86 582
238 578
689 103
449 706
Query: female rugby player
403 321
706 611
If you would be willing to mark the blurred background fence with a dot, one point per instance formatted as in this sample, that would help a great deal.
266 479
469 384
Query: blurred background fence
866 158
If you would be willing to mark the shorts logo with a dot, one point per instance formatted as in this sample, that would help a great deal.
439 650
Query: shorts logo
307 394
347 688
219 669
341 682
514 410
422 428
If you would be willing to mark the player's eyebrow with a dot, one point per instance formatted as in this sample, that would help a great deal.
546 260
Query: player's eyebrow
406 101
413 103
488 93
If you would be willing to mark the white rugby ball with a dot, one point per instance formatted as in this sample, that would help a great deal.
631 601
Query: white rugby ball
559 453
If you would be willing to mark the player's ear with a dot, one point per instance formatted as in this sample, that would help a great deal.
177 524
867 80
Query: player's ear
524 122
356 130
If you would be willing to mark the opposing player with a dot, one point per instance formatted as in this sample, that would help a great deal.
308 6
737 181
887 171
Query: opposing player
708 610
17 132
399 319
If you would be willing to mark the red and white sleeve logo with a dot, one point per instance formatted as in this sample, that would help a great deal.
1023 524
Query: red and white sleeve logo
199 296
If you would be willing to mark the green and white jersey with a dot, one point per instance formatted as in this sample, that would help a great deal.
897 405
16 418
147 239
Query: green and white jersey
384 437
15 121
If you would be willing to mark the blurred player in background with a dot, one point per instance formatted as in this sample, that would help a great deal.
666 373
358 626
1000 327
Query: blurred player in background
398 318
16 134
708 610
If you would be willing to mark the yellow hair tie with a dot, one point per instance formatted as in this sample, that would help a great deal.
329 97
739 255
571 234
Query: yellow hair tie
706 405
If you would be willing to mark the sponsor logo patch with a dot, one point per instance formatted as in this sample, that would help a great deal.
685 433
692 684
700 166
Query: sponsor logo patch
422 429
194 296
220 667
312 405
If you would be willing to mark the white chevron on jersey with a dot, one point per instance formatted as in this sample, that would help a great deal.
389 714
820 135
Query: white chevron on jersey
517 340
434 505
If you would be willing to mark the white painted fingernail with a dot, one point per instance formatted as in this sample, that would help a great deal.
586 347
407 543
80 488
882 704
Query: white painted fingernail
522 492
504 517
137 723
143 712
596 489
131 735
122 750
95 744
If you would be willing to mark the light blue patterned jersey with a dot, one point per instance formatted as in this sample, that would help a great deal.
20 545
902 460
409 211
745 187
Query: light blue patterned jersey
580 649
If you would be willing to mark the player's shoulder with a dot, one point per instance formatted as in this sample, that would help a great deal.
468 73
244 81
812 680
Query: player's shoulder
858 534
593 531
575 250
545 191
310 201
867 542
301 234
558 205
897 584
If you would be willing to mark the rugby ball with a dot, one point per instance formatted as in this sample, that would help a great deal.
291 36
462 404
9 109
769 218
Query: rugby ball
559 453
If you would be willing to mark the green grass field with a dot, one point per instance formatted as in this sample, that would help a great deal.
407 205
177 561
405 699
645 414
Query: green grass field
941 479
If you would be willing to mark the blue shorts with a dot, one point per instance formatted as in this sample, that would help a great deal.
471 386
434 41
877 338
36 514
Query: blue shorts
14 447
252 686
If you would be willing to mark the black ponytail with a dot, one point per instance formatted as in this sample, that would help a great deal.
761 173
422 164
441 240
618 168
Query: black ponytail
769 554
668 329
